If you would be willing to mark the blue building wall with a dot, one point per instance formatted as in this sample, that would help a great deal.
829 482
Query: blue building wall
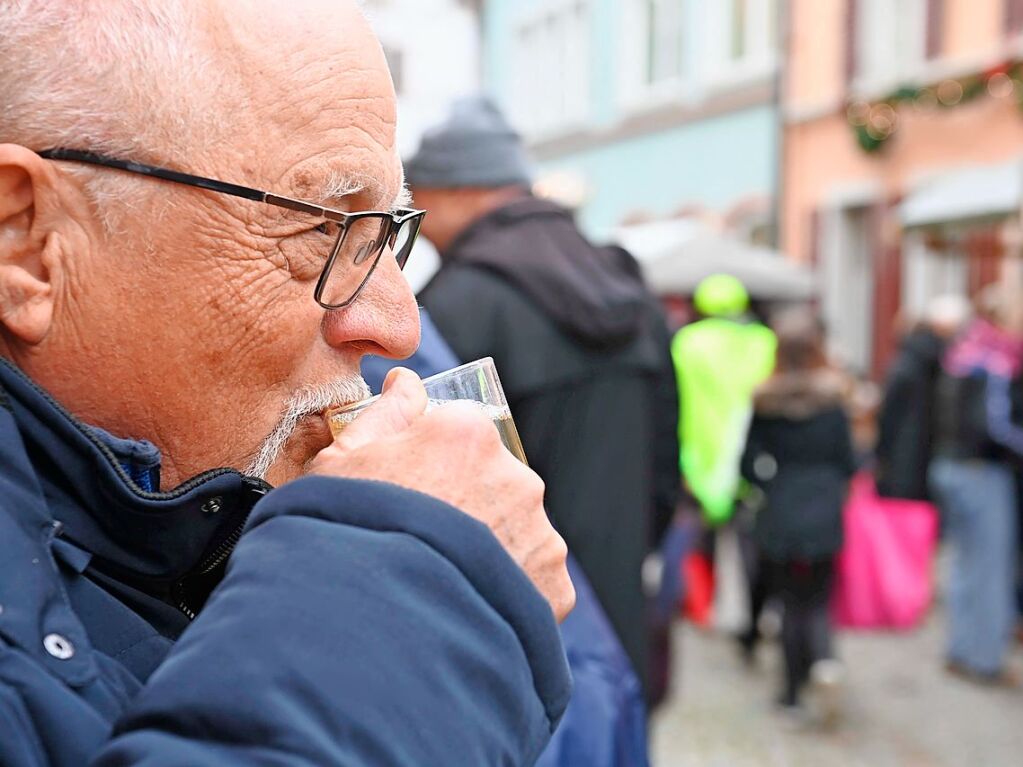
715 162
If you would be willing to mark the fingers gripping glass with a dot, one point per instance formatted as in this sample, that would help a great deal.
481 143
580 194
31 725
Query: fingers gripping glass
358 239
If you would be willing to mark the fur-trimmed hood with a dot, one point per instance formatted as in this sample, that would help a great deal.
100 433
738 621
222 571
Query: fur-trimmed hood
800 395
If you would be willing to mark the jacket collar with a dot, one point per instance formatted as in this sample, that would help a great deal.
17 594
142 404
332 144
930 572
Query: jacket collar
147 538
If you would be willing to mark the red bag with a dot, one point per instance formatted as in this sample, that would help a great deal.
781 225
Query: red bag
698 577
884 570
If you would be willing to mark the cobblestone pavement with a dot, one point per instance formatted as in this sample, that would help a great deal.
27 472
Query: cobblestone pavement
902 710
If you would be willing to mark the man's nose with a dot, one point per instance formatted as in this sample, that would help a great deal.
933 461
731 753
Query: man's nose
383 320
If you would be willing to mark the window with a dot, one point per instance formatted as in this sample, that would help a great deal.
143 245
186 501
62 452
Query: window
891 41
552 73
663 33
742 37
678 49
848 286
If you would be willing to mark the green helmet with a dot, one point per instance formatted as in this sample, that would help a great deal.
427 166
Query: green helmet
721 295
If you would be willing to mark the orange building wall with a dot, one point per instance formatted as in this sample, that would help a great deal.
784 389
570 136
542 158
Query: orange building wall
821 156
816 69
970 26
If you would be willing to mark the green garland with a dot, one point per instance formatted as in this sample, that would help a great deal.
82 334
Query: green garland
874 123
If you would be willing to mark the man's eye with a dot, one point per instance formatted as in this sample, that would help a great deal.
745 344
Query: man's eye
329 228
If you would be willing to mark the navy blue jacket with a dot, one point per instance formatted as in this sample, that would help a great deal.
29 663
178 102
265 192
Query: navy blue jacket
353 623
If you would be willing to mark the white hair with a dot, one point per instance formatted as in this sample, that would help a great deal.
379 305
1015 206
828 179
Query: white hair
310 400
130 78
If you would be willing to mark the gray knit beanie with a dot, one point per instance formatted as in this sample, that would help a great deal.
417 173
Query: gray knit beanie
474 146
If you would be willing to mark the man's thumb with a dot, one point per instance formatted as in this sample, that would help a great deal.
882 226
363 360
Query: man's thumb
402 401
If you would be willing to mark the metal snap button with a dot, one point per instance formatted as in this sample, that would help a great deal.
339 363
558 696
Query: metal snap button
212 506
58 646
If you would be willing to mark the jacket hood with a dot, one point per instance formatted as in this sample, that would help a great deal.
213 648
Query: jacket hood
594 294
799 396
925 346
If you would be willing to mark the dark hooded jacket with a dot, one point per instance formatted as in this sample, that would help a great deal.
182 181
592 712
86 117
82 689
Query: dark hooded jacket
583 352
331 622
905 442
799 453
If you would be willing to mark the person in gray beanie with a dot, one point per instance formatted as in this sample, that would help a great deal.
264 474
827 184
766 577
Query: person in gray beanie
581 345
474 147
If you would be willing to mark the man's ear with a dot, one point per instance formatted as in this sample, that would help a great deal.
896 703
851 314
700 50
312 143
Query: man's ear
28 246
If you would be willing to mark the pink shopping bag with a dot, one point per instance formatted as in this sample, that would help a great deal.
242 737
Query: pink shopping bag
884 570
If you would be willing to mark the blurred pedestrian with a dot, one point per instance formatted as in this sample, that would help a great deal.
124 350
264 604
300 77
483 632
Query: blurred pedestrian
799 453
979 441
719 361
580 343
905 443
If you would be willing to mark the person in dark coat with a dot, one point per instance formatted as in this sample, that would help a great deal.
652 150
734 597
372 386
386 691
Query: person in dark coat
579 342
905 442
193 570
605 722
799 454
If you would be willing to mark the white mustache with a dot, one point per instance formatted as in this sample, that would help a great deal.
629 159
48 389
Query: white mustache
309 400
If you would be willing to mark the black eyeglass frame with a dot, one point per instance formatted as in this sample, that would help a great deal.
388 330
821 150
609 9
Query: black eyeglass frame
397 218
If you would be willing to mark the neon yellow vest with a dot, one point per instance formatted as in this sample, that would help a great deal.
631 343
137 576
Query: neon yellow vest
718 364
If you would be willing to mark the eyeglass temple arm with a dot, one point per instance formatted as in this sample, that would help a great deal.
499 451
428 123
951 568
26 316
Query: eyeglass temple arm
177 177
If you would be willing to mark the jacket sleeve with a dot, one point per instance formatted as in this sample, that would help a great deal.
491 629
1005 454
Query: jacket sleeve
358 624
897 394
667 480
998 411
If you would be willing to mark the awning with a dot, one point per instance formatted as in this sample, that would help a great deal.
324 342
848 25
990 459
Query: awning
676 255
968 193
766 274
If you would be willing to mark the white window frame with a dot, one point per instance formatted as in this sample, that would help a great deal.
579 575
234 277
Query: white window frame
902 26
551 90
760 43
846 269
704 34
636 89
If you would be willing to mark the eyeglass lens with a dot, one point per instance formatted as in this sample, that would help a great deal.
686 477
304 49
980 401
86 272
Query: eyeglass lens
357 251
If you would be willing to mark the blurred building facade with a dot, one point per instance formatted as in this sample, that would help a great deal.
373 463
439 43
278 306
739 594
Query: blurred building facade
902 156
643 108
433 50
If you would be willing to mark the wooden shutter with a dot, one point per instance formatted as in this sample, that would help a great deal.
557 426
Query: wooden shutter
887 251
984 256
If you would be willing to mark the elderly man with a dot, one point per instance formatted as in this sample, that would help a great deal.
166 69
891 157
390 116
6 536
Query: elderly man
169 341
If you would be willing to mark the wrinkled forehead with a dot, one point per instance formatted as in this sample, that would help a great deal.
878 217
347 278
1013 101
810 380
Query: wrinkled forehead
317 101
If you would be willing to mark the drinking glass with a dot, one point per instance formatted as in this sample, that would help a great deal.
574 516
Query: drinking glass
475 382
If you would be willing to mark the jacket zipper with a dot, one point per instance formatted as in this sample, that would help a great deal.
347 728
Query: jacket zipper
259 488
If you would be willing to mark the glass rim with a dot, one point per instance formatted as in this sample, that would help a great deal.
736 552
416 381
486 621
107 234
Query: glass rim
354 407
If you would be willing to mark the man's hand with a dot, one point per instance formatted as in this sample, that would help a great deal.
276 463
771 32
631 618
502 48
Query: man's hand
454 453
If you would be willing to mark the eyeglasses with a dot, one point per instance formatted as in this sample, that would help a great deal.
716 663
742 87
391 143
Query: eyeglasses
357 239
